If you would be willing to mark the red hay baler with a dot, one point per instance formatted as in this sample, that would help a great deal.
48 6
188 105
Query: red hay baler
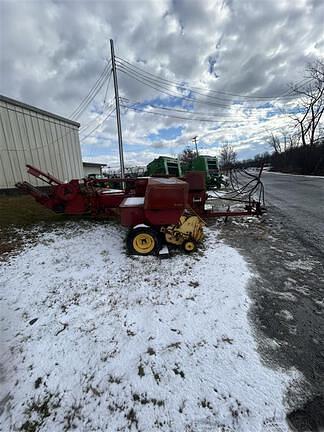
157 210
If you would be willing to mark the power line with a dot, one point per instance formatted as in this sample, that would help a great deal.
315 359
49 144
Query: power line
94 120
107 87
167 84
92 92
167 87
203 113
286 94
168 115
256 134
93 130
188 118
253 136
168 92
91 96
162 88
103 73
299 84
118 119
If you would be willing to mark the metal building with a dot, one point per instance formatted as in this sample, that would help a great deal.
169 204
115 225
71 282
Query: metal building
29 135
92 169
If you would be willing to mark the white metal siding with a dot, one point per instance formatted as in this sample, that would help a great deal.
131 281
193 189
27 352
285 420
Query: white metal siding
91 170
29 137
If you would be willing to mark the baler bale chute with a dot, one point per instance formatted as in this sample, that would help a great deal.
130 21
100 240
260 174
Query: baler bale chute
156 210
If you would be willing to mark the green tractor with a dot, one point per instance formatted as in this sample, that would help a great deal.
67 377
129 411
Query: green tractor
208 164
164 166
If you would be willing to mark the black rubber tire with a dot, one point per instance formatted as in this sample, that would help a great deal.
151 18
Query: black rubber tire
145 231
193 245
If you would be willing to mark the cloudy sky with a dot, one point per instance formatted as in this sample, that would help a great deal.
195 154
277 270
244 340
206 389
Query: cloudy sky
216 69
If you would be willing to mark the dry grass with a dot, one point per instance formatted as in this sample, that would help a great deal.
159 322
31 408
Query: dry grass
21 211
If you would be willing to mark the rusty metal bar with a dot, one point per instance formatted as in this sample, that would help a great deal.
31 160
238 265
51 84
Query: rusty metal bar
45 177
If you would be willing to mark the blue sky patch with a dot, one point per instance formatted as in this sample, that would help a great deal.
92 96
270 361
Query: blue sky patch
166 134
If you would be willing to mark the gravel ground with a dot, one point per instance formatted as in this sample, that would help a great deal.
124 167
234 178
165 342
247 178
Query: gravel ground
287 310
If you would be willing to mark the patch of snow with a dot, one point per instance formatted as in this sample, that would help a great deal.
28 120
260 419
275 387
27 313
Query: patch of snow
299 265
112 191
165 180
132 201
286 315
96 340
140 226
294 175
208 207
164 251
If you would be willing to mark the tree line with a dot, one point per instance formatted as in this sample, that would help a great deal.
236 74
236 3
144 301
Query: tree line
300 149
294 160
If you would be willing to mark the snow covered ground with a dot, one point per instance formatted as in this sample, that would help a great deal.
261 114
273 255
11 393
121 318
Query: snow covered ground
94 340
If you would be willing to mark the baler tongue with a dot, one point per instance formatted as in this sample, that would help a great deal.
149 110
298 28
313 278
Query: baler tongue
31 190
34 192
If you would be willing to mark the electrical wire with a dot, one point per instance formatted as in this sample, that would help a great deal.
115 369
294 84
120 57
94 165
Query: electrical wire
172 116
167 84
286 94
161 88
185 118
101 76
94 120
93 130
82 106
107 87
92 92
92 97
153 84
88 97
206 113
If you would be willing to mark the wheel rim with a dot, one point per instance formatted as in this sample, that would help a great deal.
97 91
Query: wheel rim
189 246
143 243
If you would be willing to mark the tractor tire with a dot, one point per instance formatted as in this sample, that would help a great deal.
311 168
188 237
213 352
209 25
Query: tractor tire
189 246
143 241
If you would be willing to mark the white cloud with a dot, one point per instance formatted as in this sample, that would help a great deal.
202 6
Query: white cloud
53 51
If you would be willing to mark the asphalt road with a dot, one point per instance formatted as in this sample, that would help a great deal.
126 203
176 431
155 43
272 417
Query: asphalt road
285 251
300 199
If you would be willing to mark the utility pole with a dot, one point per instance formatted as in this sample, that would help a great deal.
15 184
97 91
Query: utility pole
194 140
119 129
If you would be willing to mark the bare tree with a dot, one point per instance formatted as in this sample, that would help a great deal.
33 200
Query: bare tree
285 139
227 157
293 140
311 103
187 156
274 142
282 143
